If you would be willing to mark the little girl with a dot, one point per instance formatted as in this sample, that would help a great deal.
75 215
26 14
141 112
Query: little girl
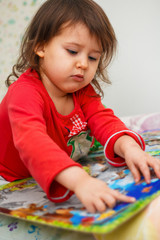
51 114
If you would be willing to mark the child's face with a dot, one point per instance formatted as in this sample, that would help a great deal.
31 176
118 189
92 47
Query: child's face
70 60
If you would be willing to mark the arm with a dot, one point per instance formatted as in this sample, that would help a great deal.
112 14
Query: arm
92 192
105 126
122 146
40 154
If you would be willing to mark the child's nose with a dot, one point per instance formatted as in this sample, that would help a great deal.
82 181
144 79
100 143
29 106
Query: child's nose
82 63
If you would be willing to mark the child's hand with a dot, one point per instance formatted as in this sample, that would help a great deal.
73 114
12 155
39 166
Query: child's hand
97 196
93 193
138 161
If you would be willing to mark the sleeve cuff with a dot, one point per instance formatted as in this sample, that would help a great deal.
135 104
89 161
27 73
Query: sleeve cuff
113 159
58 193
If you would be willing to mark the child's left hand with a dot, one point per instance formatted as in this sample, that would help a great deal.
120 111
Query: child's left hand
138 161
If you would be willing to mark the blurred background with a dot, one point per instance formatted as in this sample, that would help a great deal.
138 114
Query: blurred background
135 70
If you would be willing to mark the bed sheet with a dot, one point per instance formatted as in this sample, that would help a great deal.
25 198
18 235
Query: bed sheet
11 228
144 122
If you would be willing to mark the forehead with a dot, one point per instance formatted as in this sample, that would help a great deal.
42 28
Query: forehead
79 31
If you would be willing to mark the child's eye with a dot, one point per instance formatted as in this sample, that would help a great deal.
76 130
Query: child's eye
92 58
72 51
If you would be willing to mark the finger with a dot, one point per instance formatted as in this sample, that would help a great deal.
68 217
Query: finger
109 199
145 172
157 170
155 164
136 174
100 205
90 207
121 197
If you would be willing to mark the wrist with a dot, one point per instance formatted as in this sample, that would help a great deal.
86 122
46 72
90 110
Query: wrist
124 144
72 177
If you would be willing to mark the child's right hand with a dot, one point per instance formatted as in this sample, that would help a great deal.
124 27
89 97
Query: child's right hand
97 196
93 193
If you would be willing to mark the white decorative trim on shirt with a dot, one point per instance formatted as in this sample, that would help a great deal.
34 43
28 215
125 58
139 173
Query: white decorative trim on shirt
111 162
59 198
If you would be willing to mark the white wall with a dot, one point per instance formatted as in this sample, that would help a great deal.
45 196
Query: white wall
135 72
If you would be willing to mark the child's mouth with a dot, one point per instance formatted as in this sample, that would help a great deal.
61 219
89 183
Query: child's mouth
78 77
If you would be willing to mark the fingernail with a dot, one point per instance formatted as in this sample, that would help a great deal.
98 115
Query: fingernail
136 180
148 181
133 199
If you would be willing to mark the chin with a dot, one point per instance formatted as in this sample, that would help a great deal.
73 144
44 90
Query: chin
72 90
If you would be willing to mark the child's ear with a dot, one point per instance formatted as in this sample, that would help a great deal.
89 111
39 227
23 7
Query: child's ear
39 50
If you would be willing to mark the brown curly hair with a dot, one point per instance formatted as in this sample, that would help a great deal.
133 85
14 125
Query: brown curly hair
47 22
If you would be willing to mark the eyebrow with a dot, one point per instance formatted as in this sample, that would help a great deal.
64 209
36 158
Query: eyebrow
79 45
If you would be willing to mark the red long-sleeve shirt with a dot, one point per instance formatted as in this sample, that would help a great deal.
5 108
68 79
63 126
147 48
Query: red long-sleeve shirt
35 140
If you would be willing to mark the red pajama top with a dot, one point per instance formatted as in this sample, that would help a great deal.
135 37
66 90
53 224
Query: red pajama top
37 141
